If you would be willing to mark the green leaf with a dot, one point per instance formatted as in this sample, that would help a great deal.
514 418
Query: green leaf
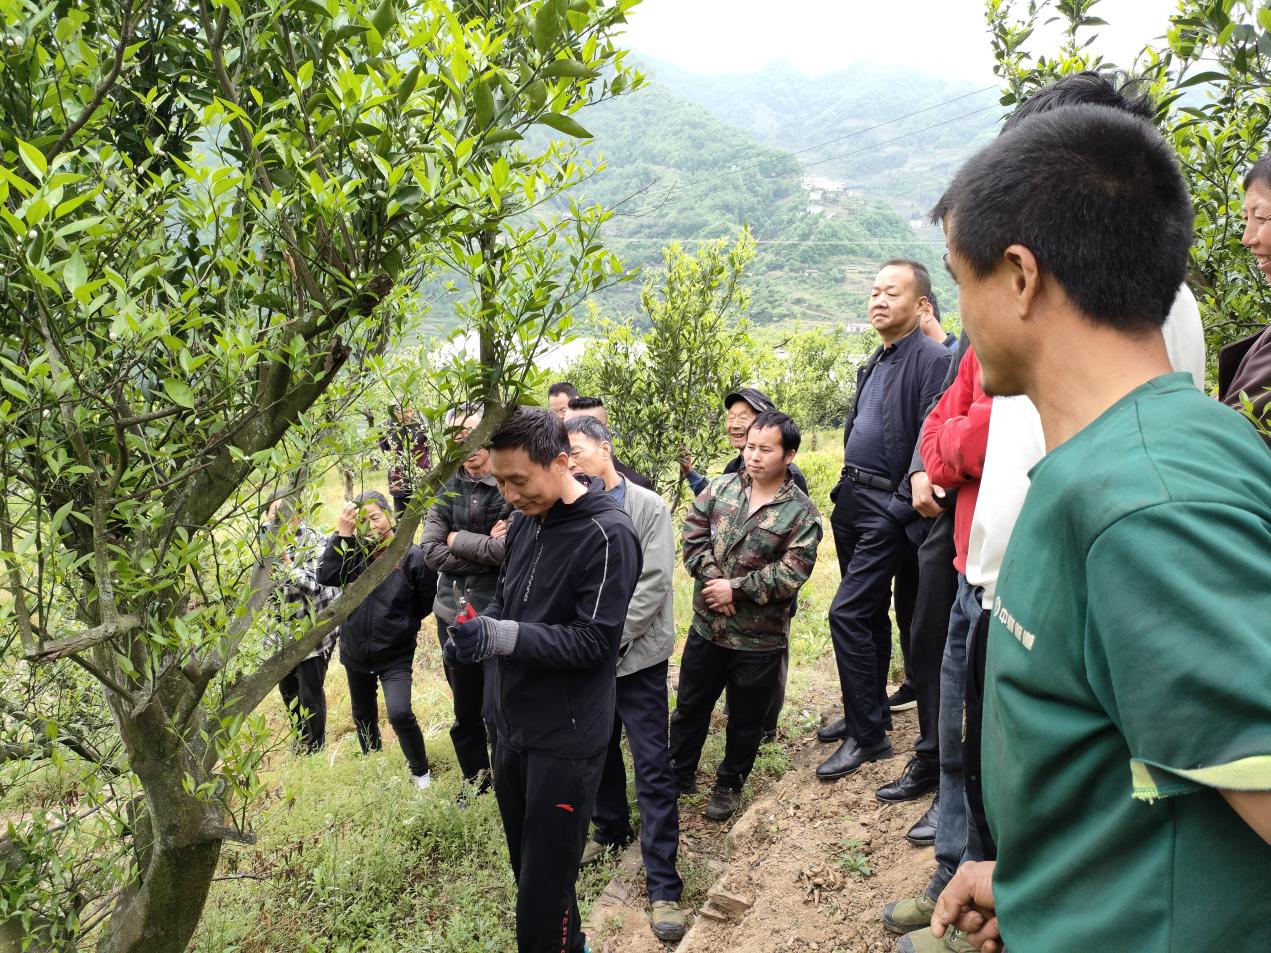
312 7
1210 76
75 272
180 392
570 68
495 136
384 17
33 159
546 26
484 101
564 124
409 82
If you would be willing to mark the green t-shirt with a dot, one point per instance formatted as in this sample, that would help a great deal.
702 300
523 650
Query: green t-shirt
1129 677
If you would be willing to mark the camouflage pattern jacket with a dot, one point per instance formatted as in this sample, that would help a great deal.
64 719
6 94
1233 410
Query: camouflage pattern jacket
768 555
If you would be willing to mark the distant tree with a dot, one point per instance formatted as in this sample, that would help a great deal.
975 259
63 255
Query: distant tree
664 386
810 373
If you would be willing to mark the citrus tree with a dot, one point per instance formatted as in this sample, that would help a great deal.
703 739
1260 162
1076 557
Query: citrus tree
214 219
1210 80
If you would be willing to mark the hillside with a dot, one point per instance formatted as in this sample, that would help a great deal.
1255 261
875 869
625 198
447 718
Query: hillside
678 169
905 163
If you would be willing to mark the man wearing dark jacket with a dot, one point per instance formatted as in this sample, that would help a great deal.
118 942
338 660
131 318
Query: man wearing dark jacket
553 628
377 642
464 537
901 379
406 443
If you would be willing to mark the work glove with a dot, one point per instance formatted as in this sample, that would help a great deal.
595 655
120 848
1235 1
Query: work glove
478 639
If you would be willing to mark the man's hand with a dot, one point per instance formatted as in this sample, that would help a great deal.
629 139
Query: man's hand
346 525
686 461
450 537
718 594
479 638
967 903
498 530
925 493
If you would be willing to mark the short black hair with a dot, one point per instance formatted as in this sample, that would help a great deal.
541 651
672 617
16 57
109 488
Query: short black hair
562 387
1095 194
585 403
1259 173
1109 88
376 497
935 307
540 433
790 436
922 277
589 427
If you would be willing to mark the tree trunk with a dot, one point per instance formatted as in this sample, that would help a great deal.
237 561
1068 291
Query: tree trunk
176 839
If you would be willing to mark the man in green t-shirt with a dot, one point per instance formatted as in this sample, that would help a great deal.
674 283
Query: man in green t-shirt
1127 720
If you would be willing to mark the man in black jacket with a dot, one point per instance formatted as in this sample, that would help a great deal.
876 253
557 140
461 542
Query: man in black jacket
553 627
898 383
377 642
464 538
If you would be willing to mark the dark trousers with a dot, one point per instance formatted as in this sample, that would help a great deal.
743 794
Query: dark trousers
980 844
905 599
546 804
778 694
471 734
707 670
302 692
939 586
871 537
642 712
366 713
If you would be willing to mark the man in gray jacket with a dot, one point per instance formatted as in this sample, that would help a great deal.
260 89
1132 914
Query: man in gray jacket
648 639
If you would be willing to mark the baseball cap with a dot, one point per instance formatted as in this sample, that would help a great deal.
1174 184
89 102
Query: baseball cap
754 397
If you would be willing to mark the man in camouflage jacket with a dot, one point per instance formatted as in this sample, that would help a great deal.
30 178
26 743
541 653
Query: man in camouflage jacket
758 532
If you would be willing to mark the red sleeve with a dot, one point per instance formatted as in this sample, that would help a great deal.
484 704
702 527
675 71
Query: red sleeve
956 432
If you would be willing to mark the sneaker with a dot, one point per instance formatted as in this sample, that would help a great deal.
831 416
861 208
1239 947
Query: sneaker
902 699
669 920
422 781
924 941
723 805
905 916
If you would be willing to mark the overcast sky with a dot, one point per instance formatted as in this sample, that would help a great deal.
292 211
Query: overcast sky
939 37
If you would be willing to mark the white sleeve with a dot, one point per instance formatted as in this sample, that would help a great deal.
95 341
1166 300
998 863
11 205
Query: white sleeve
1185 337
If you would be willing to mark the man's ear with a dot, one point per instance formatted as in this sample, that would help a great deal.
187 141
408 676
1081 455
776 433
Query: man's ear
1024 277
790 457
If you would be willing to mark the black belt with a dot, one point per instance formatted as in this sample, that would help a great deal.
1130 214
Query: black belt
875 480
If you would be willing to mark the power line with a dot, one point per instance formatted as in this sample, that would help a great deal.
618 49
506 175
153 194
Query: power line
934 125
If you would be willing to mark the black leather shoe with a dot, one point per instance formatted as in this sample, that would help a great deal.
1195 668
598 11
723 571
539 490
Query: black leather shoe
723 804
923 833
850 756
834 731
919 778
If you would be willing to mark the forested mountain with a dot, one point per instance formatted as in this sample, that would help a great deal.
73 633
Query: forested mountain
926 126
683 160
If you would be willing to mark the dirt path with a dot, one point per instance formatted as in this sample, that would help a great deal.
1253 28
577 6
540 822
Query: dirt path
789 872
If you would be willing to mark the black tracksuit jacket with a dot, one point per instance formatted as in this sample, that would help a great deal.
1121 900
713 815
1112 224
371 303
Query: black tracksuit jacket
381 632
566 579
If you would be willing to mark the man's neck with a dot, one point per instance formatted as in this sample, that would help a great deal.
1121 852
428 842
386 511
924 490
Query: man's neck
1081 373
889 341
571 490
479 473
766 490
610 478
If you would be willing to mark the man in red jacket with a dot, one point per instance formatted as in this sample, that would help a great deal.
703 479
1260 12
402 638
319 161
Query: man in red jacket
953 441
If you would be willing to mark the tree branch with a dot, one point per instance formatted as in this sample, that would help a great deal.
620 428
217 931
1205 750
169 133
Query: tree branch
69 645
126 26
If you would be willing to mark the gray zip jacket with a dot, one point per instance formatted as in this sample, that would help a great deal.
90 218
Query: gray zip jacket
649 634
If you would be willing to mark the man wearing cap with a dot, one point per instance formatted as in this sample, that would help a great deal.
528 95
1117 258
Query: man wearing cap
742 407
901 379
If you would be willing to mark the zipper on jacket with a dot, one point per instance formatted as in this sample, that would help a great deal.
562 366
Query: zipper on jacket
529 583
570 703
